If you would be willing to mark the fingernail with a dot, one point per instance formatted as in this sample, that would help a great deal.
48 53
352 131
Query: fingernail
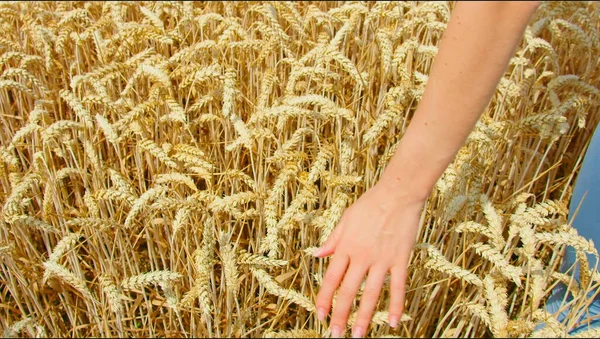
317 252
336 332
357 332
321 314
394 321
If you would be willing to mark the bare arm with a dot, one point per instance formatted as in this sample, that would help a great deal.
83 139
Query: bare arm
477 45
376 234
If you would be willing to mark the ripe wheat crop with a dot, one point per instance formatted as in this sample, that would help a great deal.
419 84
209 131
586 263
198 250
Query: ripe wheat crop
167 167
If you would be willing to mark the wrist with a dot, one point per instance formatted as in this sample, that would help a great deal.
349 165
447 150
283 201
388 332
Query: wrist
413 171
397 187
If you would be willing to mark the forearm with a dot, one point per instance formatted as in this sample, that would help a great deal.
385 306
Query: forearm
474 52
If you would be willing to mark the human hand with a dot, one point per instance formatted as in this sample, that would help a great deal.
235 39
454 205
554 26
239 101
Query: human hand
374 236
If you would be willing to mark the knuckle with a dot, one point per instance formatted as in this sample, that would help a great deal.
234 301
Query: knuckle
398 287
323 300
324 297
346 292
330 279
396 308
371 293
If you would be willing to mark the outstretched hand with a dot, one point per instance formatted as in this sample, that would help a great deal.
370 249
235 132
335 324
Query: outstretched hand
374 236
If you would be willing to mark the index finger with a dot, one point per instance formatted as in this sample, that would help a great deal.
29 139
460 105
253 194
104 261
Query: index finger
333 276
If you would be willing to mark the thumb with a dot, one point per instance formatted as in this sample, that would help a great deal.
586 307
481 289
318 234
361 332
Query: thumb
330 244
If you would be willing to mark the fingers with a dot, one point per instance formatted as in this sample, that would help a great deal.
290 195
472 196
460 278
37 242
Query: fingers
345 297
397 291
368 301
333 276
329 246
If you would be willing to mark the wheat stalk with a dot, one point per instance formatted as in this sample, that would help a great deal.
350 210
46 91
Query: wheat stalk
236 134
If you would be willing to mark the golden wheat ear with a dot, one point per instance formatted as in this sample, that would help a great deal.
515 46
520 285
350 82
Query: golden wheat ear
167 169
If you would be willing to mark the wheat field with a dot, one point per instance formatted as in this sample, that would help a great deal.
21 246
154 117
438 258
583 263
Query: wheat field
167 168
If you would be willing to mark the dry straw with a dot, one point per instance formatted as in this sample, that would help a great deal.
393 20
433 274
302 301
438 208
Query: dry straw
167 169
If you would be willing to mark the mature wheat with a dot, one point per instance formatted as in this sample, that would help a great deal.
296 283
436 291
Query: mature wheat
167 169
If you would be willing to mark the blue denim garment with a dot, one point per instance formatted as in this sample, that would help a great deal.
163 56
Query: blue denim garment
587 223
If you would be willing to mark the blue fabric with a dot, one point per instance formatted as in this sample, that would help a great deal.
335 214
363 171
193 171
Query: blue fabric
585 211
